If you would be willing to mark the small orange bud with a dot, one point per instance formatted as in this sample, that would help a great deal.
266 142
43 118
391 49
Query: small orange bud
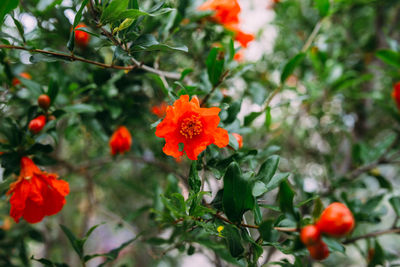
81 38
239 139
310 235
37 124
336 220
15 81
120 141
44 101
319 251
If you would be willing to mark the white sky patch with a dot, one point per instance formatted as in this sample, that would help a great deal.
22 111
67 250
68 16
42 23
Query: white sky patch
29 22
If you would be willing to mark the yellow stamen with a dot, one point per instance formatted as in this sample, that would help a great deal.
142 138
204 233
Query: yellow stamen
191 127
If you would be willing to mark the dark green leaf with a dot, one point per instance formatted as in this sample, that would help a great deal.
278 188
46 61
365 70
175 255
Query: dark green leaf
237 196
53 90
73 241
215 65
251 117
232 236
378 255
265 230
323 7
333 244
113 11
285 197
291 66
5 7
395 202
78 15
194 179
389 57
148 42
233 110
268 169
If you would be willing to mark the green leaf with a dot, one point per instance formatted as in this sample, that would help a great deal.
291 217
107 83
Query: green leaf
251 117
148 42
266 229
378 256
291 66
215 65
49 263
389 57
268 169
233 111
113 254
194 179
285 197
5 7
323 7
78 15
237 196
81 108
19 28
395 202
132 14
232 236
73 241
113 11
261 188
318 208
53 90
333 244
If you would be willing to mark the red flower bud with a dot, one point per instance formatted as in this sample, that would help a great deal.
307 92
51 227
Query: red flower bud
81 38
336 220
319 251
37 124
239 139
120 141
310 235
44 101
15 81
396 94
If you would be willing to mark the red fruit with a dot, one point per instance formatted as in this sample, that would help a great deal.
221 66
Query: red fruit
396 94
44 101
239 139
81 38
15 81
310 235
336 220
319 251
37 124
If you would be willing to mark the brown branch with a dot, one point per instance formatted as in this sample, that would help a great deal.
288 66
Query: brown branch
71 57
374 234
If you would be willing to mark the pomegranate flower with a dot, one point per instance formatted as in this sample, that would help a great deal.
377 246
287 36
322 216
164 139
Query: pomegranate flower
396 94
160 110
195 127
226 11
120 141
36 193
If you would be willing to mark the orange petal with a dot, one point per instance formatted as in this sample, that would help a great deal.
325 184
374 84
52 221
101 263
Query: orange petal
221 137
171 148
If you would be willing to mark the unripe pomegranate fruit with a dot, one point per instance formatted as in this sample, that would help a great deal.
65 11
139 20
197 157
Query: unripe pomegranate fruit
310 235
336 220
81 38
319 251
37 124
15 81
44 101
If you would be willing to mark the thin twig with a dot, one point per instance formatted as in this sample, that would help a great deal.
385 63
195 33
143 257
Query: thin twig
222 78
374 234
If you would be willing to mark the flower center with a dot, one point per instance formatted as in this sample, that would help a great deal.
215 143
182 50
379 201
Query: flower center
191 127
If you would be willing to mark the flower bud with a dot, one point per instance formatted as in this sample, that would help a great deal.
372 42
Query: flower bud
319 251
37 124
310 235
81 38
44 101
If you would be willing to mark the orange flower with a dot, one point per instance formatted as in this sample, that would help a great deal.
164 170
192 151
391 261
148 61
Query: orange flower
195 127
239 139
239 55
15 81
226 11
36 194
120 141
160 110
81 38
396 94
243 38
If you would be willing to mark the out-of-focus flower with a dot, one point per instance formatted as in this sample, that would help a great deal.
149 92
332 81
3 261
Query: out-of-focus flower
15 81
195 127
226 11
243 38
36 193
120 141
37 124
396 94
160 110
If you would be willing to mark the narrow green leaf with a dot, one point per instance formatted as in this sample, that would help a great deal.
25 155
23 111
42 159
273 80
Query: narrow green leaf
194 179
395 202
5 7
132 14
78 15
291 66
378 256
113 11
389 57
215 65
232 236
285 197
19 28
323 7
73 240
251 117
333 244
53 90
